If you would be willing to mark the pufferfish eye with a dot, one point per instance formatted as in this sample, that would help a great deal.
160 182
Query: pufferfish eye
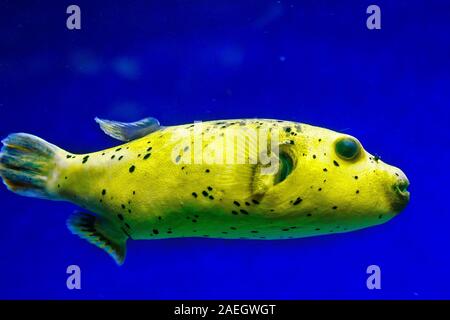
347 148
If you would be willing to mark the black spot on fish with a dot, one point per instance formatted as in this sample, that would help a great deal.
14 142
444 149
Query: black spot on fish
297 201
357 191
123 206
177 159
155 231
237 203
147 156
211 197
314 156
85 159
232 228
207 171
254 231
118 149
113 156
125 231
285 229
255 201
68 156
234 212
204 193
120 216
356 177
243 211
380 216
132 168
309 215
335 163
194 194
320 189
210 188
127 225
317 229
149 149
335 207
193 220
120 158
325 169
103 192
186 149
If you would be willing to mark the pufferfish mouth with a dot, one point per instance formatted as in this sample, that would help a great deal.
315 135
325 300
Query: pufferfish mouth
401 188
402 198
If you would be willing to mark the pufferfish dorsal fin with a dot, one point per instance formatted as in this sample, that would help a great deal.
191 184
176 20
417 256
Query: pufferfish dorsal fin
127 131
99 233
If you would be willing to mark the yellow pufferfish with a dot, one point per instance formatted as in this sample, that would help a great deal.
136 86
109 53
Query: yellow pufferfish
155 186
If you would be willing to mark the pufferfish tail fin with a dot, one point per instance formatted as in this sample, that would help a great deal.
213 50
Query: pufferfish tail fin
27 164
100 233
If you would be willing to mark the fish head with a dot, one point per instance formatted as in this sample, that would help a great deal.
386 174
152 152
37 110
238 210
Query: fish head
335 178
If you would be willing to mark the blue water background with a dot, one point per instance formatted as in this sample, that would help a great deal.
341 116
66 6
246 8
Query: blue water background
180 61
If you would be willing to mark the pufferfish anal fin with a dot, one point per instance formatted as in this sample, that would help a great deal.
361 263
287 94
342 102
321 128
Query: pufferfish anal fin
127 131
99 233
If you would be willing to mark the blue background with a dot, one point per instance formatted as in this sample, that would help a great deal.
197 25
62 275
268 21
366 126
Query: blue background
180 61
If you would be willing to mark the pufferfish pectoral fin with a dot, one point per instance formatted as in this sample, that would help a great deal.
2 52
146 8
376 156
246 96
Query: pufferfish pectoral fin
127 131
100 233
254 180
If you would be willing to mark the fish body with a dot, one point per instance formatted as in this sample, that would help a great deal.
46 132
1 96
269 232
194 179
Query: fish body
232 179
